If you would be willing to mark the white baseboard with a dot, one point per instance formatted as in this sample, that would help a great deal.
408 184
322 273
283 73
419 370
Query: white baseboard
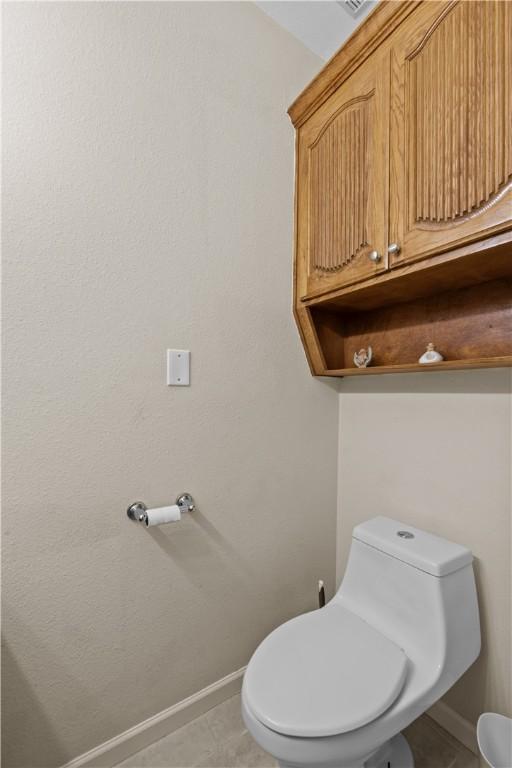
116 750
457 726
142 735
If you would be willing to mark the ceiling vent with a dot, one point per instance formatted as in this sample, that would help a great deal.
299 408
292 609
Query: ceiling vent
352 7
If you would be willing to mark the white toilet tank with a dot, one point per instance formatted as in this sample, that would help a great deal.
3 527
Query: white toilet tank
417 589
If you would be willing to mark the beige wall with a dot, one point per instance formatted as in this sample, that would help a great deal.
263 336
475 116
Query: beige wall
148 195
148 204
434 450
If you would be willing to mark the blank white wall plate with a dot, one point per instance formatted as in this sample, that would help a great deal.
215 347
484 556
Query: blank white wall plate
178 367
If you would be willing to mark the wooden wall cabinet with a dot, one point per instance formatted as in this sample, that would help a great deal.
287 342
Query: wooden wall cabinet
404 191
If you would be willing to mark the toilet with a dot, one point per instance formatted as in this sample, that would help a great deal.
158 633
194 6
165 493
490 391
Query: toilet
335 687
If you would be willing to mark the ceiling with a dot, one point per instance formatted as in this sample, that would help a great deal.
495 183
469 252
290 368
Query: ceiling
321 25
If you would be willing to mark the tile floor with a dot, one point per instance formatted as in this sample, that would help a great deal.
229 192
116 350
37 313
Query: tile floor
218 739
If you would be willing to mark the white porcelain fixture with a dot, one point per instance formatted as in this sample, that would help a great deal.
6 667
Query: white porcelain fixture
334 688
494 733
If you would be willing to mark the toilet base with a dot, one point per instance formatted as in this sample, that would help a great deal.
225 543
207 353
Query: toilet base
393 754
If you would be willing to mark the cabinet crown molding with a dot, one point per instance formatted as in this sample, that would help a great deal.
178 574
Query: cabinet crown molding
375 28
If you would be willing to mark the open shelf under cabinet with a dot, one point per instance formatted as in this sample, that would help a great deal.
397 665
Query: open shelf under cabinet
471 327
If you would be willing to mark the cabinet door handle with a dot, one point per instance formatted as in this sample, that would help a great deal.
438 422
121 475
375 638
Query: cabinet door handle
374 256
394 249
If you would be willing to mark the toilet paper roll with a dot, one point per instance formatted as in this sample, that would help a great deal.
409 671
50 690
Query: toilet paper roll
161 515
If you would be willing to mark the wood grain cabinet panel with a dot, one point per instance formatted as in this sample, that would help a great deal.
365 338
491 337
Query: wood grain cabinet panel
451 153
343 184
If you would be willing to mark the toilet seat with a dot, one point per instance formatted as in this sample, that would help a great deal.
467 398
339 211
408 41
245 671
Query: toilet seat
323 673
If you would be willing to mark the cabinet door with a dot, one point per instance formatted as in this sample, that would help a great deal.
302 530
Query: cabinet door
342 184
451 137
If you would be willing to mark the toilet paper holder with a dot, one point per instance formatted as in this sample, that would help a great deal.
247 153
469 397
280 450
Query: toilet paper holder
138 510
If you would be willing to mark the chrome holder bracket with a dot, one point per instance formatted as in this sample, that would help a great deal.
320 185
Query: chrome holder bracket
137 511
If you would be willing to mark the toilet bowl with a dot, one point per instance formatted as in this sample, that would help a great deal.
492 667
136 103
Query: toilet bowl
333 688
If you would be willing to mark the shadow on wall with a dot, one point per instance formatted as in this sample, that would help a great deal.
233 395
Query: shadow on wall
28 734
483 381
186 546
24 727
476 677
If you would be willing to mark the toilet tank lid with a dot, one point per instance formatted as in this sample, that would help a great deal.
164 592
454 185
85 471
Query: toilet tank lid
422 550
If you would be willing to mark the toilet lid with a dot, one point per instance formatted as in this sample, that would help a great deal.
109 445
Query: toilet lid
323 673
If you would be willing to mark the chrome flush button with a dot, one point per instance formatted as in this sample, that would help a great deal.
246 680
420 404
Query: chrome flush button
405 534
